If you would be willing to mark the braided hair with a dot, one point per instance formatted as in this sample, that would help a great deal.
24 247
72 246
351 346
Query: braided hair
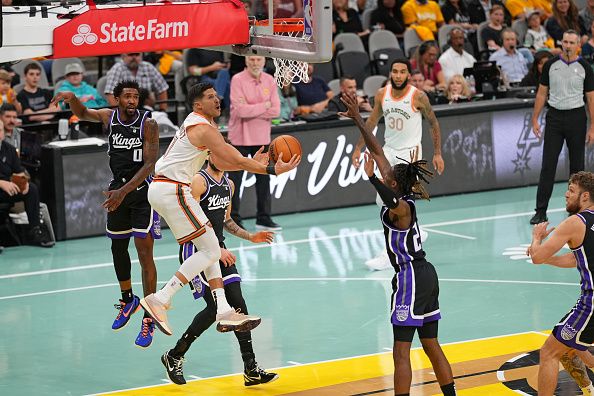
409 176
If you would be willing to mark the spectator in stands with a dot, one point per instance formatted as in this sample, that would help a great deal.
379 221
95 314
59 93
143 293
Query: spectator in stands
417 80
491 34
348 84
288 102
537 37
587 13
520 9
313 96
388 15
457 89
480 10
10 166
532 79
346 20
425 60
424 13
34 100
588 47
456 13
133 67
512 63
565 17
7 94
9 117
212 68
454 60
254 102
83 91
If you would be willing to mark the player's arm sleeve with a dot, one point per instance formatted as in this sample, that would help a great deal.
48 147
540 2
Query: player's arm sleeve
388 196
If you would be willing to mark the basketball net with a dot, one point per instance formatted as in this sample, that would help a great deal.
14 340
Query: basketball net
289 71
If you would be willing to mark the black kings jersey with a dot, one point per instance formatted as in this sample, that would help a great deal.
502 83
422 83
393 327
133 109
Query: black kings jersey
215 201
125 141
584 254
403 246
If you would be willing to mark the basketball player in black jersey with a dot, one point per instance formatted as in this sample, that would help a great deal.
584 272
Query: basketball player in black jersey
133 143
214 192
575 332
415 304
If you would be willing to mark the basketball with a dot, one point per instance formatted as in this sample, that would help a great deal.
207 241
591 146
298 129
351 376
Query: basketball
286 144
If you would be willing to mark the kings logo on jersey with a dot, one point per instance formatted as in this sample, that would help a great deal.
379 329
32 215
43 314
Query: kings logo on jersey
568 332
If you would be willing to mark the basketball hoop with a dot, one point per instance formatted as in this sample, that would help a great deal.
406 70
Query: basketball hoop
288 70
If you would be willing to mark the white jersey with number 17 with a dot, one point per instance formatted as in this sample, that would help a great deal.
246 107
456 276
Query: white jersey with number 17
404 123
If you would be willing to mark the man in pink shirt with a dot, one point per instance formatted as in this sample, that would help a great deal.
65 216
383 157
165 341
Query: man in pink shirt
254 102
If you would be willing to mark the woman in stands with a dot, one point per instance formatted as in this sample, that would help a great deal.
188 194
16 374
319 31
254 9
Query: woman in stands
425 60
388 16
532 79
565 16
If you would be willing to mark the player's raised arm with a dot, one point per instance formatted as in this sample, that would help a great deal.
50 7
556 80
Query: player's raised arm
229 158
371 123
370 140
543 252
423 105
80 110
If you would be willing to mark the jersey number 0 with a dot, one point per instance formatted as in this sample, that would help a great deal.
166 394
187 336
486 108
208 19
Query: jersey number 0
137 155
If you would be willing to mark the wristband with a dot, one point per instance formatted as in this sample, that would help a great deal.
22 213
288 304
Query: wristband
270 170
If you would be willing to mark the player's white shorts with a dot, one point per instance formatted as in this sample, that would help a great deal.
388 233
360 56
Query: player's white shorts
174 202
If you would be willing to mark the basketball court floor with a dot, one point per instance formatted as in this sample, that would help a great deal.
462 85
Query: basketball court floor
325 316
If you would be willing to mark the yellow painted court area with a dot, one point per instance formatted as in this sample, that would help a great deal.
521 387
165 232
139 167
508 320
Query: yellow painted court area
476 359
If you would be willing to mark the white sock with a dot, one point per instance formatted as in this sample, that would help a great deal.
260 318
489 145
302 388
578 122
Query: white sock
168 291
589 390
221 301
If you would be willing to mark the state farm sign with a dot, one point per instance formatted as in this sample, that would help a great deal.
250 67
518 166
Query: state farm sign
151 28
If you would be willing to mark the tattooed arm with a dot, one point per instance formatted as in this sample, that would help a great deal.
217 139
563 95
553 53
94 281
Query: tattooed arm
233 228
423 105
576 368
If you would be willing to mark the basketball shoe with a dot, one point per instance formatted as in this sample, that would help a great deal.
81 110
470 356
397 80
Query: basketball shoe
174 368
236 321
254 375
126 311
145 337
158 311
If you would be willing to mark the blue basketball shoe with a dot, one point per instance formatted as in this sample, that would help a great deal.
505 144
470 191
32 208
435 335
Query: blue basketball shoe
126 311
145 337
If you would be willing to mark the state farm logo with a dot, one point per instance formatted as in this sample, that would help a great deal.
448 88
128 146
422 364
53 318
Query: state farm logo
84 35
114 33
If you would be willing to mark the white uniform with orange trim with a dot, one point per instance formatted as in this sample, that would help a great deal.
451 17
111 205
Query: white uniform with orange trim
170 194
404 126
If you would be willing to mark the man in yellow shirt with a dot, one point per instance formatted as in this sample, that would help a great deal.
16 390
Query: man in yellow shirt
423 13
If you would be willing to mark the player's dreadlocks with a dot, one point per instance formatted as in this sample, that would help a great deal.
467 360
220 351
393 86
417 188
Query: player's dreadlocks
409 176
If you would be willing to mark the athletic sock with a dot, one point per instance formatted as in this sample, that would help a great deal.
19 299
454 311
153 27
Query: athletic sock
221 301
168 291
449 389
127 296
589 390
182 346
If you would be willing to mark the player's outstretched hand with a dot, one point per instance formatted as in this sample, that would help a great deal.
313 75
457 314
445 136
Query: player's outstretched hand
350 101
262 237
261 156
369 165
65 96
281 167
227 258
114 199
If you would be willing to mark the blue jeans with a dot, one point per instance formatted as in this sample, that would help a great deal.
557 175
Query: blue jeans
222 84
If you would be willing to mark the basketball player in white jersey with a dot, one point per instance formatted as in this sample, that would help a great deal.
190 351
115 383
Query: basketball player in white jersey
171 197
403 107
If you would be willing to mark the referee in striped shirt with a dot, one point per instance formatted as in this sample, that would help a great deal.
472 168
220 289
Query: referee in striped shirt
565 80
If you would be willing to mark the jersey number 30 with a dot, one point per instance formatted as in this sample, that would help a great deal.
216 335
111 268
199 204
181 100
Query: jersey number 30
395 123
137 155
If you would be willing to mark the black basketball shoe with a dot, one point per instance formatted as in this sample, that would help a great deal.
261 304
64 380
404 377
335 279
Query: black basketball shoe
174 368
256 376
